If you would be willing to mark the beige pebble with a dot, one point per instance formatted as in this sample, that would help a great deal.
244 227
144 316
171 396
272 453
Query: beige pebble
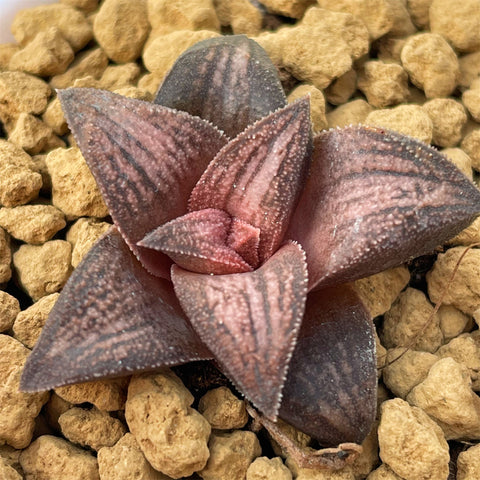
381 355
32 223
448 117
7 472
172 435
47 54
411 443
469 235
10 456
453 322
317 104
464 291
383 84
29 322
222 409
320 48
9 309
241 15
458 22
33 135
54 117
350 113
89 62
55 406
345 473
342 88
71 23
461 160
447 397
390 49
405 369
18 410
468 464
264 468
160 55
108 394
49 458
471 100
183 14
21 92
288 8
379 291
85 233
125 461
74 190
419 12
91 428
377 15
5 257
230 455
150 83
471 146
135 92
7 51
402 22
43 269
410 120
121 28
118 76
383 472
412 322
469 68
368 457
40 167
464 350
431 64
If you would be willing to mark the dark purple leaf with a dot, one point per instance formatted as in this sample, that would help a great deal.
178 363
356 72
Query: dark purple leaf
229 81
331 385
145 158
375 199
113 318
258 176
250 321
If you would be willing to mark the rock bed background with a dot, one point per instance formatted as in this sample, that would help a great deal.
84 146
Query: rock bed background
409 65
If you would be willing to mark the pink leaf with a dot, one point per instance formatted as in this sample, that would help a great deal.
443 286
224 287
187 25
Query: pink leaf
113 318
259 175
229 81
375 199
331 385
197 242
145 158
250 321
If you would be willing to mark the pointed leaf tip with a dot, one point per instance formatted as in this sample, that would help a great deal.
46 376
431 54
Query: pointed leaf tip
250 321
258 176
375 199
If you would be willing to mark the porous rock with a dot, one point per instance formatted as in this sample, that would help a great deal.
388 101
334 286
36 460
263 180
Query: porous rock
471 100
411 443
50 457
464 292
264 468
448 117
5 257
222 409
18 410
288 8
342 88
74 190
172 435
301 473
230 455
9 309
125 461
54 117
91 427
431 64
471 146
405 369
86 6
43 269
468 464
121 28
29 322
317 104
452 321
461 160
7 51
410 120
241 15
350 113
469 68
383 472
7 472
419 12
120 76
32 223
446 395
412 322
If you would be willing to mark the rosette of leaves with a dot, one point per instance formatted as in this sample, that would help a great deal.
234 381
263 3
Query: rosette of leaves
235 236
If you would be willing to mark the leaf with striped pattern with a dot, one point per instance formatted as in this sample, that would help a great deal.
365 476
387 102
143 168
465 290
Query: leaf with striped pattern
250 321
229 81
145 158
375 199
113 318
